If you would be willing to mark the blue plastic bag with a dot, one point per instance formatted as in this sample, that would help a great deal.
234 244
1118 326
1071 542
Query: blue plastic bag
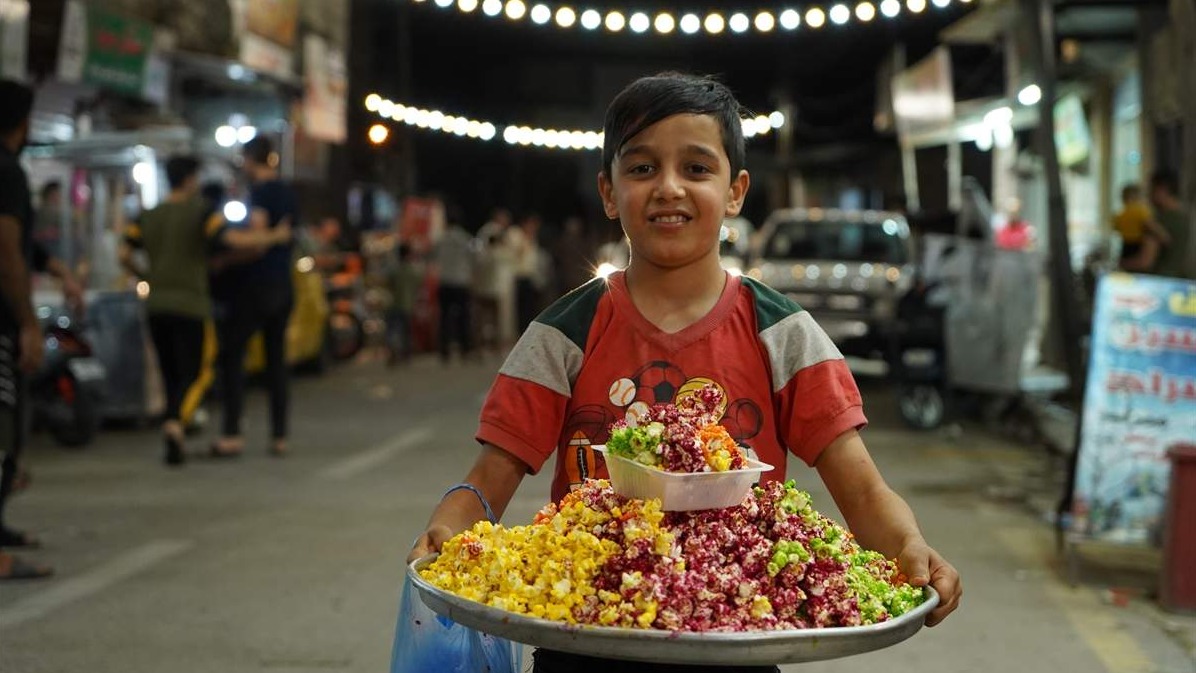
426 642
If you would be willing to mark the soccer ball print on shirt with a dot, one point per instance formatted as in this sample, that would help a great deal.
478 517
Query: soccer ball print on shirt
630 397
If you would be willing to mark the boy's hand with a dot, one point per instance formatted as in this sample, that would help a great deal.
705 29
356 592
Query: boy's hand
923 565
430 542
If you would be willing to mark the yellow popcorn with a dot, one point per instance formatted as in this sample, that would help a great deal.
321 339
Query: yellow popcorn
547 569
761 606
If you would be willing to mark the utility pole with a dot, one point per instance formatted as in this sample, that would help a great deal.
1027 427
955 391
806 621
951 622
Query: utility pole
1183 17
1039 15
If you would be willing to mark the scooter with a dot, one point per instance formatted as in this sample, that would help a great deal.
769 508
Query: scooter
65 392
918 360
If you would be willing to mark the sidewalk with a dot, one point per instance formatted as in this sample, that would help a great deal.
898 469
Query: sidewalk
1032 477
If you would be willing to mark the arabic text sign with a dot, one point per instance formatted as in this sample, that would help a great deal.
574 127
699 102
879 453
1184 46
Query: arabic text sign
1140 400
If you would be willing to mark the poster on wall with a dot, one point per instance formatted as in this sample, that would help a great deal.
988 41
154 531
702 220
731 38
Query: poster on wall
14 38
1072 138
325 86
269 36
1139 402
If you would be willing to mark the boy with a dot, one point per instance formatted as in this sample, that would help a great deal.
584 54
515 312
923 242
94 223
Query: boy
1135 225
672 170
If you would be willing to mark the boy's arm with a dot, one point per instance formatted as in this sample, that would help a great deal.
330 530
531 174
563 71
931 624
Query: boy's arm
881 520
1146 257
497 474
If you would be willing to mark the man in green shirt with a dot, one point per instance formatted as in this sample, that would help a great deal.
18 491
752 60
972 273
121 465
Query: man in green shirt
1168 257
177 237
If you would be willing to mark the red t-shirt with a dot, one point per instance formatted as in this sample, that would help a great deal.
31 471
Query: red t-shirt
592 358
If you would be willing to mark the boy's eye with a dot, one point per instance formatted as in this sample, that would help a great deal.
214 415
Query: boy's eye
700 168
639 169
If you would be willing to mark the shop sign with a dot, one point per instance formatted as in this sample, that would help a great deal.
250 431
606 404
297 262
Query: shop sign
104 49
14 38
264 56
274 20
324 90
924 96
1140 401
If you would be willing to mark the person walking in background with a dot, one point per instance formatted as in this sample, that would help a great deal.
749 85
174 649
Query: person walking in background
455 266
262 302
176 237
497 225
524 241
21 347
403 281
571 257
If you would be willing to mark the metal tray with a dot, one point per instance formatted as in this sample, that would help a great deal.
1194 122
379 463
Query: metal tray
763 648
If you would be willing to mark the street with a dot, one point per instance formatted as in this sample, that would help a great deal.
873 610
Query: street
262 564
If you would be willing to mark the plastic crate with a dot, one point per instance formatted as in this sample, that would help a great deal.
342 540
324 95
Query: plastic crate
682 491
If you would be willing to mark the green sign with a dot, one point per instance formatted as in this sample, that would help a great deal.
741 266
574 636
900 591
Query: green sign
104 49
117 51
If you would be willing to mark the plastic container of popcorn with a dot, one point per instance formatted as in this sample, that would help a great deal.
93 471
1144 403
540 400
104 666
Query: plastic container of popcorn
682 491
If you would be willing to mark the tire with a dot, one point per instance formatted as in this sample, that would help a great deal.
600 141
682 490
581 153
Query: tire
319 364
921 405
346 336
79 421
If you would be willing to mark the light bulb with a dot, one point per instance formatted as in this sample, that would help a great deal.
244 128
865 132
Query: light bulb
815 18
639 22
565 17
664 23
714 24
791 19
541 14
590 19
840 14
615 22
516 9
690 23
865 11
765 22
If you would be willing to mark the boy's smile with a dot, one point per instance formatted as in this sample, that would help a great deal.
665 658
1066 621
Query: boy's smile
671 187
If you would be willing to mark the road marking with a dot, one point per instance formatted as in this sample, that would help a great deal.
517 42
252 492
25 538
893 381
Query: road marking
1095 623
371 458
65 592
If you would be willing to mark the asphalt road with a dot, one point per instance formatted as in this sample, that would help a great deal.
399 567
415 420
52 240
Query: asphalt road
295 565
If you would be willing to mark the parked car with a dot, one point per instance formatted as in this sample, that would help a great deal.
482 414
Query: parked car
847 268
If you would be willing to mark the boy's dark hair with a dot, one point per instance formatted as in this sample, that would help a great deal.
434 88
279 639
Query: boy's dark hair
50 188
258 150
179 169
1131 191
1166 180
16 103
651 99
213 193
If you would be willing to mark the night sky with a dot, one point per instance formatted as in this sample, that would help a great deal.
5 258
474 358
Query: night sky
508 72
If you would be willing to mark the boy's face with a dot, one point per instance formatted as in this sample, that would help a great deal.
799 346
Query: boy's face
671 186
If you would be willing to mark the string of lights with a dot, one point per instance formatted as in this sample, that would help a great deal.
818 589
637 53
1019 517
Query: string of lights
436 120
689 23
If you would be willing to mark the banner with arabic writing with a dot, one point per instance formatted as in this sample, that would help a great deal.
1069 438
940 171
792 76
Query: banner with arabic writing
1139 401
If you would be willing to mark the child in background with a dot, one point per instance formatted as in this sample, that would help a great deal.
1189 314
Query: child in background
403 281
673 169
1133 223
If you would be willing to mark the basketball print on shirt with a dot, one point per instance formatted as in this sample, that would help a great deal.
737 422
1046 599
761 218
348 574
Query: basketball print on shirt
657 382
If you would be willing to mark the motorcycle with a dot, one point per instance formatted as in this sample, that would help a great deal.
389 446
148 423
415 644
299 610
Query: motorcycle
65 392
918 360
